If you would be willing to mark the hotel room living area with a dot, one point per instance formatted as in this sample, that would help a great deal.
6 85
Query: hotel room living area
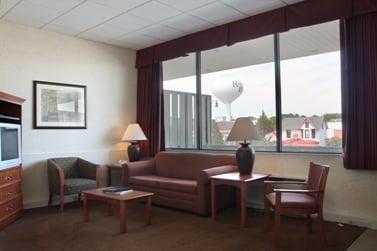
228 124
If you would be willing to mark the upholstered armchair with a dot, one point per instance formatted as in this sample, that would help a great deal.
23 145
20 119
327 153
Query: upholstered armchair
305 201
69 176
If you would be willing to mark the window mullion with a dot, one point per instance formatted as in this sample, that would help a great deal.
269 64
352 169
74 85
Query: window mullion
198 100
278 93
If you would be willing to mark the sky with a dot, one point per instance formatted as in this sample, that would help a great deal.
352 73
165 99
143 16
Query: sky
310 86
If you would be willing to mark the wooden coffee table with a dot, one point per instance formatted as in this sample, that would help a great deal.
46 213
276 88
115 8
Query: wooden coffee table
120 201
237 180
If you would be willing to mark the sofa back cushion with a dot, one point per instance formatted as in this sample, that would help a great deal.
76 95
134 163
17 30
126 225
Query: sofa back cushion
188 165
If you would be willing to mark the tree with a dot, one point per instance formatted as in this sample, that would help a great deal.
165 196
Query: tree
217 137
331 116
264 125
335 142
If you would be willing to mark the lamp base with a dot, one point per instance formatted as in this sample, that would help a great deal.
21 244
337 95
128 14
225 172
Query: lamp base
245 157
133 151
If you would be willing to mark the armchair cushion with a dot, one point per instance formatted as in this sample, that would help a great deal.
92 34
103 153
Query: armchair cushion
292 200
77 185
87 169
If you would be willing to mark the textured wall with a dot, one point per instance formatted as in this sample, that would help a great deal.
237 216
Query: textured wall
28 54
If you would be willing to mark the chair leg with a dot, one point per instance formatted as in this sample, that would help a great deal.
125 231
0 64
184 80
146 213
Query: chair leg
277 229
266 214
322 227
50 199
61 202
79 197
309 223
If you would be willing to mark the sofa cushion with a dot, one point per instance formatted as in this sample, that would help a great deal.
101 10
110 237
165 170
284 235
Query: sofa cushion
145 180
293 200
74 186
173 184
188 165
179 185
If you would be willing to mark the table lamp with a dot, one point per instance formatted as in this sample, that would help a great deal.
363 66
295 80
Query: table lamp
133 134
243 130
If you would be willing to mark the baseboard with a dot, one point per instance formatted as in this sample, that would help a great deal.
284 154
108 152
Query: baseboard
44 202
356 221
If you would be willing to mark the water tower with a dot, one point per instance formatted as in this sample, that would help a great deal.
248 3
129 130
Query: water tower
227 90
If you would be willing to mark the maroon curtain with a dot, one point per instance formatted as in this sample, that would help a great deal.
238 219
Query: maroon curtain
150 110
359 91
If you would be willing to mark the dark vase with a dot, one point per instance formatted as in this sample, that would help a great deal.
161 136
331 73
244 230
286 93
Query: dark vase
245 157
133 152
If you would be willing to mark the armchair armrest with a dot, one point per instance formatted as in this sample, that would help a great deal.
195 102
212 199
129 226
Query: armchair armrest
205 174
145 167
88 170
55 177
268 184
296 191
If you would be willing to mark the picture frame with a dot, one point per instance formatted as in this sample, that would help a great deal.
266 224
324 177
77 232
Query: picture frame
59 105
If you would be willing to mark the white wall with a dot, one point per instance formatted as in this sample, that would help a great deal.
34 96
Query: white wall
351 195
28 54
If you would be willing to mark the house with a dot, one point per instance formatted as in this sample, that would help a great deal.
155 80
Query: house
309 131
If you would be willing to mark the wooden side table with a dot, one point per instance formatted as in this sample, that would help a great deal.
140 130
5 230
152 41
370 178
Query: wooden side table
236 180
113 167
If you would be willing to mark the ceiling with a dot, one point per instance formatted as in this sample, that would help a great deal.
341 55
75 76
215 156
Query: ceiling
134 24
301 42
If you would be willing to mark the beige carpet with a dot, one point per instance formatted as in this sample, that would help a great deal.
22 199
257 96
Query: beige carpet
46 229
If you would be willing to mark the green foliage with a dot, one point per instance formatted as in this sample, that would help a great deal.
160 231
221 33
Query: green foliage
330 116
264 124
335 142
217 137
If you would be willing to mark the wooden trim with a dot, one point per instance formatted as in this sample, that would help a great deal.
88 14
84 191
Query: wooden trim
11 98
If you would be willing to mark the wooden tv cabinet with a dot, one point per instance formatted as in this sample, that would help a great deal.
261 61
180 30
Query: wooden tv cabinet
11 207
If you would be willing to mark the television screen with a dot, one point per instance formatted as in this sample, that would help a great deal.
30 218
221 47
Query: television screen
9 143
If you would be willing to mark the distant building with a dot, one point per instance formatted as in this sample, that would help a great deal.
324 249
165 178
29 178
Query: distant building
335 129
224 128
304 131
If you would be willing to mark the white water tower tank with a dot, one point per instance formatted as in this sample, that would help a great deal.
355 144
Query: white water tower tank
227 90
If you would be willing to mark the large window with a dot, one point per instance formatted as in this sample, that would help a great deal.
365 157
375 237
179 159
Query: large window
294 103
180 115
310 88
239 81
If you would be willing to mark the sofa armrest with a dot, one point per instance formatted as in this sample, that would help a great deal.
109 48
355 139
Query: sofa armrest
205 174
145 167
55 176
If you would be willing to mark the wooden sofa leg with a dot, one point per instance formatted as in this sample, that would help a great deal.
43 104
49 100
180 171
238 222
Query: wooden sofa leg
309 223
50 199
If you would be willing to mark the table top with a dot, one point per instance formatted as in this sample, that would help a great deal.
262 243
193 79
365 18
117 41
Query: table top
235 176
135 194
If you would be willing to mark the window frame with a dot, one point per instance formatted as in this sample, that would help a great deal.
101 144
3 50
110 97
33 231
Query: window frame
278 110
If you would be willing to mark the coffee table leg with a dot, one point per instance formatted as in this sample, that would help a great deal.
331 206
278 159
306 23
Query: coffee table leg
110 209
148 209
122 216
213 200
244 205
86 208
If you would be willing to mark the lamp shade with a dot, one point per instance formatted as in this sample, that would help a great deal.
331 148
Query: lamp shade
133 133
243 129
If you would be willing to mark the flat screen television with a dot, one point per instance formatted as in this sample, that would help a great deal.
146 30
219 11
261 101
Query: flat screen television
10 145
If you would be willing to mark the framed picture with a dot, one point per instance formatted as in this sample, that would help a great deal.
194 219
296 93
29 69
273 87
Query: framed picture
59 106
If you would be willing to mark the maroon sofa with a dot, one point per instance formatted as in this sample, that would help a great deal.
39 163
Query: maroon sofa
181 180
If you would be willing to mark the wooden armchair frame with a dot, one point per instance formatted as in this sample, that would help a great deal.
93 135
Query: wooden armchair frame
318 194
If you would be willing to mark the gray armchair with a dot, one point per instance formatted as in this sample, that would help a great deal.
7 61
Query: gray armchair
69 176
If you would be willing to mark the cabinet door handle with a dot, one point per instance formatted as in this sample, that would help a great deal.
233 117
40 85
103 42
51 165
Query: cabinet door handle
9 193
8 177
8 209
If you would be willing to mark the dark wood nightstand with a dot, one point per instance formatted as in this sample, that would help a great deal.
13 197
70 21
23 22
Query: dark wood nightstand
113 167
